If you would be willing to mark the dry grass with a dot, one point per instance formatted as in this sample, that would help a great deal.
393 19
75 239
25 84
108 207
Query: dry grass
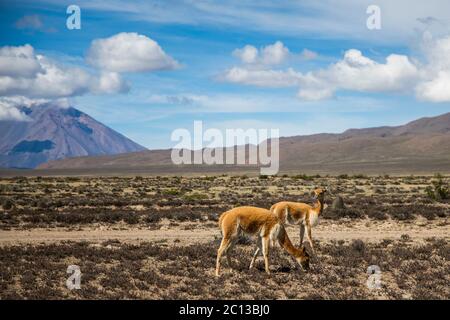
66 202
164 270
115 270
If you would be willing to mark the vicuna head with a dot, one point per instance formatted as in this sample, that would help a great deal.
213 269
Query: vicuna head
302 258
319 193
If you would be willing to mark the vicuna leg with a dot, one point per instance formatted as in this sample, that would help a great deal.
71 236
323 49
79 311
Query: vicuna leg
308 233
265 250
302 233
257 251
228 251
224 245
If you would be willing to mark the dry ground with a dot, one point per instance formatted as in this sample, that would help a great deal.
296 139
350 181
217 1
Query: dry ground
156 238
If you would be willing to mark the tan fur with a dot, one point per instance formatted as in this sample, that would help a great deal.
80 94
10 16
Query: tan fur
301 214
259 222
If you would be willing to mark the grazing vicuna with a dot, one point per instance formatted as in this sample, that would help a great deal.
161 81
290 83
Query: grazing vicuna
302 214
259 222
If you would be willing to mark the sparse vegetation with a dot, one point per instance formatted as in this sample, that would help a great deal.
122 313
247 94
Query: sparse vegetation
439 190
71 201
176 270
115 270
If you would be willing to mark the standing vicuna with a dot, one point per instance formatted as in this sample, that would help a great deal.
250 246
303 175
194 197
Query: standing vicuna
260 222
301 213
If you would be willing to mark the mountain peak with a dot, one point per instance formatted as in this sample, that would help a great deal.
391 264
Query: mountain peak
55 132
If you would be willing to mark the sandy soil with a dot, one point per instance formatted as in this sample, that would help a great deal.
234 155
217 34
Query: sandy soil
185 233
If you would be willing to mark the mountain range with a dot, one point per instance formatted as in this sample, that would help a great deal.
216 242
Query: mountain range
420 146
53 132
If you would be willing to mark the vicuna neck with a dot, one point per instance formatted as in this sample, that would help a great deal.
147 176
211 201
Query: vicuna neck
318 206
288 246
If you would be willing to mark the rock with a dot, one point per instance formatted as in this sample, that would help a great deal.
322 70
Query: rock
338 203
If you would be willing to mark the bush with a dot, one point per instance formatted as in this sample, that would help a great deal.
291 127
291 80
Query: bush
438 190
358 245
172 192
7 204
303 177
195 196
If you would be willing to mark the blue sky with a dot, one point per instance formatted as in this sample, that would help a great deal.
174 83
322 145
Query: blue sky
329 87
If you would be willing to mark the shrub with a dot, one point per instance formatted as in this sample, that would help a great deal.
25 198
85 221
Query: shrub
172 192
195 196
303 177
358 245
7 204
438 190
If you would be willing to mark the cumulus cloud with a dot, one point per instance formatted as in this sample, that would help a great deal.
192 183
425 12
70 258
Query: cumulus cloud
129 52
11 108
359 73
25 73
10 111
354 72
436 89
16 108
435 84
269 55
19 61
110 82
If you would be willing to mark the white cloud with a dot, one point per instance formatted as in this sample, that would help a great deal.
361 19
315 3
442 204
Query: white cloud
261 77
353 72
429 80
315 94
19 61
10 107
309 54
35 76
10 111
270 55
179 99
436 89
129 52
110 82
435 84
359 73
248 54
